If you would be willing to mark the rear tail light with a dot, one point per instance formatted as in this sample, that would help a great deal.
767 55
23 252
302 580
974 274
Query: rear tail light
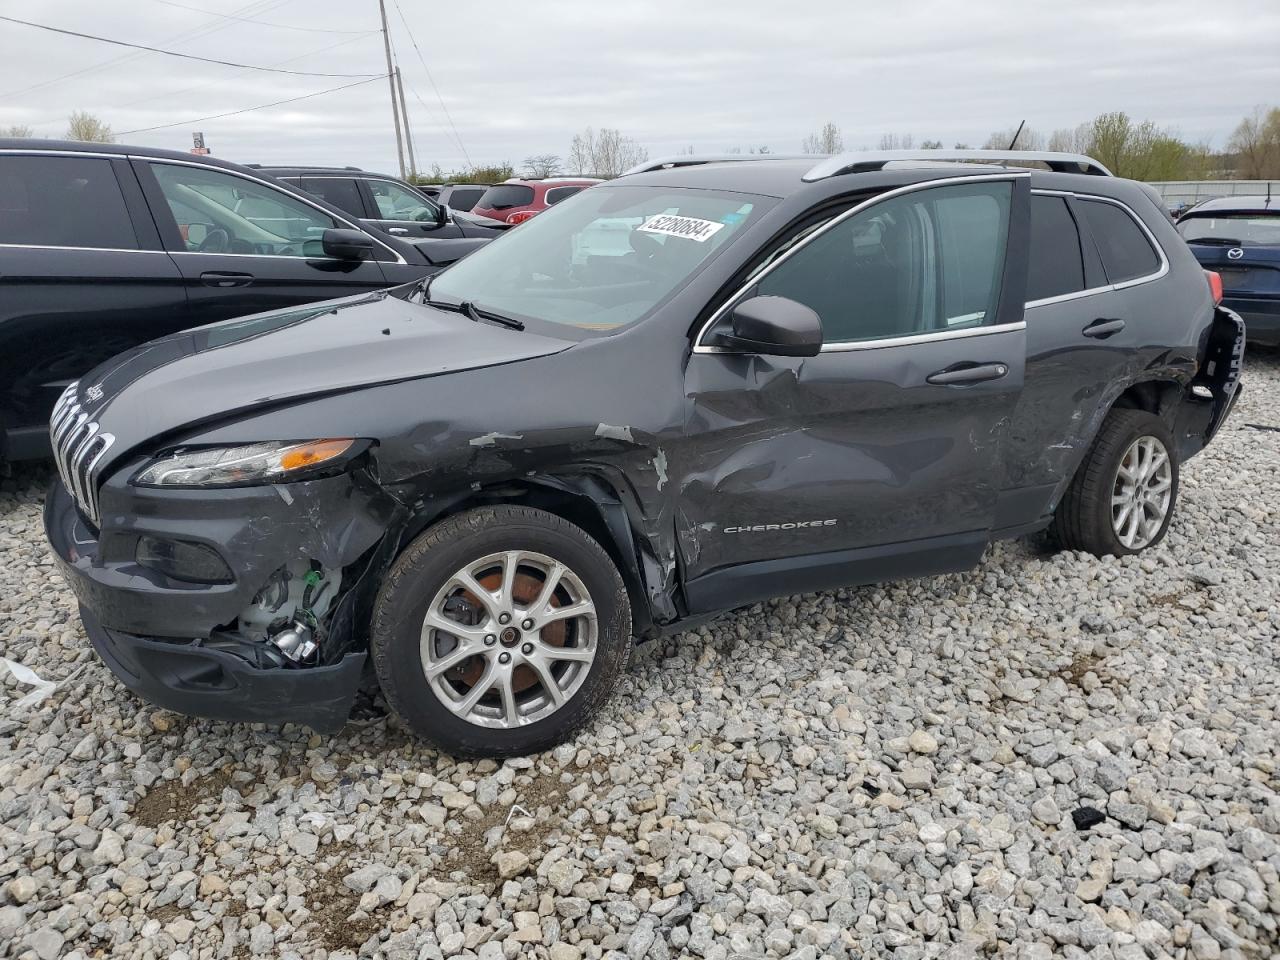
520 216
1215 284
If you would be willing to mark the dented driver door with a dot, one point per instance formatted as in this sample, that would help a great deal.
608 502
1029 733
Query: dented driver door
881 456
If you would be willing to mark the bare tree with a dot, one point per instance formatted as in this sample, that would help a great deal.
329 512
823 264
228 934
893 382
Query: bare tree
828 140
749 150
930 144
894 141
1070 139
1026 139
85 126
1256 144
604 153
542 165
17 130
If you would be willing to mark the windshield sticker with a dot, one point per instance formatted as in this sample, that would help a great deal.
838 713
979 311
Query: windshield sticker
690 228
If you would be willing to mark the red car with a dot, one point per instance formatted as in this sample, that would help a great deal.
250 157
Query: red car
516 200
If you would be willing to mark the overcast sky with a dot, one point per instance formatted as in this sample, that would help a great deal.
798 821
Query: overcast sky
520 78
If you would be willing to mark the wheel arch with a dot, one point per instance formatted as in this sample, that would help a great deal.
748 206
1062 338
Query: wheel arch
590 501
1159 395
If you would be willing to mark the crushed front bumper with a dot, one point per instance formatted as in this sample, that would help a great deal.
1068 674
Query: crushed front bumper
204 682
155 633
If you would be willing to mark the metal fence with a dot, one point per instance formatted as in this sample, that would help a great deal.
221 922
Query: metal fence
1193 191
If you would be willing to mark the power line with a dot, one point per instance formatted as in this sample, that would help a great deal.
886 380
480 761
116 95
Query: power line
174 53
213 83
423 60
282 26
183 37
261 106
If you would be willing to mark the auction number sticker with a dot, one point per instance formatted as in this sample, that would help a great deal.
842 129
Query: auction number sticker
691 228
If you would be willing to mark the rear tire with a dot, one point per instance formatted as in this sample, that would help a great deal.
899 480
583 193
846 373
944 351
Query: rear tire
1122 497
500 631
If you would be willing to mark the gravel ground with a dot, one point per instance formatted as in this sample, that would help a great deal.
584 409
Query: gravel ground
1048 755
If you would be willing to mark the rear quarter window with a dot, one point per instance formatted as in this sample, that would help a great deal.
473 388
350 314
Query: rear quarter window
1126 252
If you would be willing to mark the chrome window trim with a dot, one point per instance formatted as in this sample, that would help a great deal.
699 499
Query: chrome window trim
283 188
846 345
263 256
1109 287
54 246
65 153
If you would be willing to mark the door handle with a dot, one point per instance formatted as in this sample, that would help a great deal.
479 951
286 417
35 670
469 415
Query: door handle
1103 327
397 230
959 376
218 278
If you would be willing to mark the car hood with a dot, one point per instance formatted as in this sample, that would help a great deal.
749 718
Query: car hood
475 220
223 369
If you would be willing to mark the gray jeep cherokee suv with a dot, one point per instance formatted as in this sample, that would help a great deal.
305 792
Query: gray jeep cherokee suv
697 386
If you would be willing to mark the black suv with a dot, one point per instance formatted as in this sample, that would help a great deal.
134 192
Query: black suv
686 390
104 247
385 202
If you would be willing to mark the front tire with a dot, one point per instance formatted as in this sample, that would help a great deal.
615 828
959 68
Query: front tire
500 631
1122 497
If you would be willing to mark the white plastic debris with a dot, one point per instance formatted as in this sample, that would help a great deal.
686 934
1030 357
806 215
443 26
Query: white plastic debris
25 675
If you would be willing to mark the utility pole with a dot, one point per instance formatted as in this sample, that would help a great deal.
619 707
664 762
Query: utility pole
408 137
391 82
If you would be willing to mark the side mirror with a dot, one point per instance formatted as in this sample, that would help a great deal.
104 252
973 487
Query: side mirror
442 214
773 326
347 244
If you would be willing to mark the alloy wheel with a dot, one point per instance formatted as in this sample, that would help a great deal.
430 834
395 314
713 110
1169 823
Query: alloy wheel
1142 494
509 638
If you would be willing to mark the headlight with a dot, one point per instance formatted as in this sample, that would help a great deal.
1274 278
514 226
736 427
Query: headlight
248 464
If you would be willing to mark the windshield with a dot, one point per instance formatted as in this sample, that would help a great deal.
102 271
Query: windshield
603 258
1238 229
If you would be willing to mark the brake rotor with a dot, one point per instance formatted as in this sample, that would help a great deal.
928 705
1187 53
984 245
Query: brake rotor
525 590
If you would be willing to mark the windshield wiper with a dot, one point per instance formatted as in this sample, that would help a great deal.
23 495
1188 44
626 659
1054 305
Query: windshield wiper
423 287
477 314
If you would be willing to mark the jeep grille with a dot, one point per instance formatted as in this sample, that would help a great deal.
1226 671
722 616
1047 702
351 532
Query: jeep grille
78 448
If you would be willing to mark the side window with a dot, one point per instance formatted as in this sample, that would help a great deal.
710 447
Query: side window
1055 266
342 192
396 203
222 213
557 194
465 199
63 202
922 262
1126 252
